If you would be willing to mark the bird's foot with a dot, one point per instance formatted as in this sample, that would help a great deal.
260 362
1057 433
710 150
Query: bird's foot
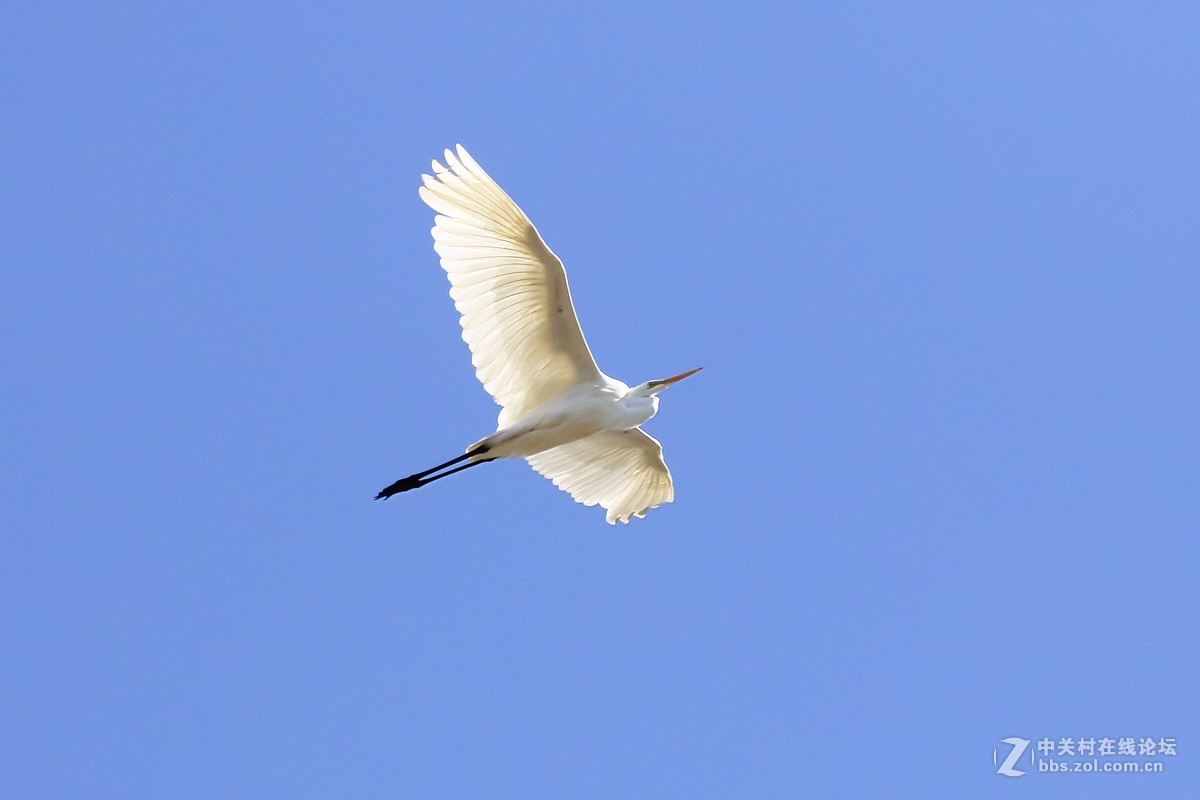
402 485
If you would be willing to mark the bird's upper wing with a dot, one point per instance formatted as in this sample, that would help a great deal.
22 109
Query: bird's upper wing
510 289
623 471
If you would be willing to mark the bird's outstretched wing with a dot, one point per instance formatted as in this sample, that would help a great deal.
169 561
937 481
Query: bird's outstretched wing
623 471
510 289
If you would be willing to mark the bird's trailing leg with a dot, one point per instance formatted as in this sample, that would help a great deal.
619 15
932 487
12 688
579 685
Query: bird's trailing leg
419 479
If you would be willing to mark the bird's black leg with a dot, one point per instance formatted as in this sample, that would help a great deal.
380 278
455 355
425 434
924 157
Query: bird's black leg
419 479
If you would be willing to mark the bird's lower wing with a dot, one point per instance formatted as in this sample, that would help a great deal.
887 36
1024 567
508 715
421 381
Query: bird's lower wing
622 471
510 289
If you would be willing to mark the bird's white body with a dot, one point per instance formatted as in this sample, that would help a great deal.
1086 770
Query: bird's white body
581 411
570 421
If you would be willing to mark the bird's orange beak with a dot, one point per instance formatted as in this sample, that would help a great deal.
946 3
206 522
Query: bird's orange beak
679 377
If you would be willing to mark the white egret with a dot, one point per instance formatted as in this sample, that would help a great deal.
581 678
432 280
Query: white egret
570 421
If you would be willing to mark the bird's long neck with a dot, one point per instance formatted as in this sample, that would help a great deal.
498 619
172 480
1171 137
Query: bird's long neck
639 406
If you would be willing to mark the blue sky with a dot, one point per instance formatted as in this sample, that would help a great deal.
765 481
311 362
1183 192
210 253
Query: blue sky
936 486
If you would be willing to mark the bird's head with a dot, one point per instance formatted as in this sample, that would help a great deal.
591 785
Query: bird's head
651 388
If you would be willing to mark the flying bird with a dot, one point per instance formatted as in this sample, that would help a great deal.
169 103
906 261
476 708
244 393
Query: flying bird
571 422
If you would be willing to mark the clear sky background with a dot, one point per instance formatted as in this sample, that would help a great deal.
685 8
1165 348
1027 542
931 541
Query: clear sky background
936 486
